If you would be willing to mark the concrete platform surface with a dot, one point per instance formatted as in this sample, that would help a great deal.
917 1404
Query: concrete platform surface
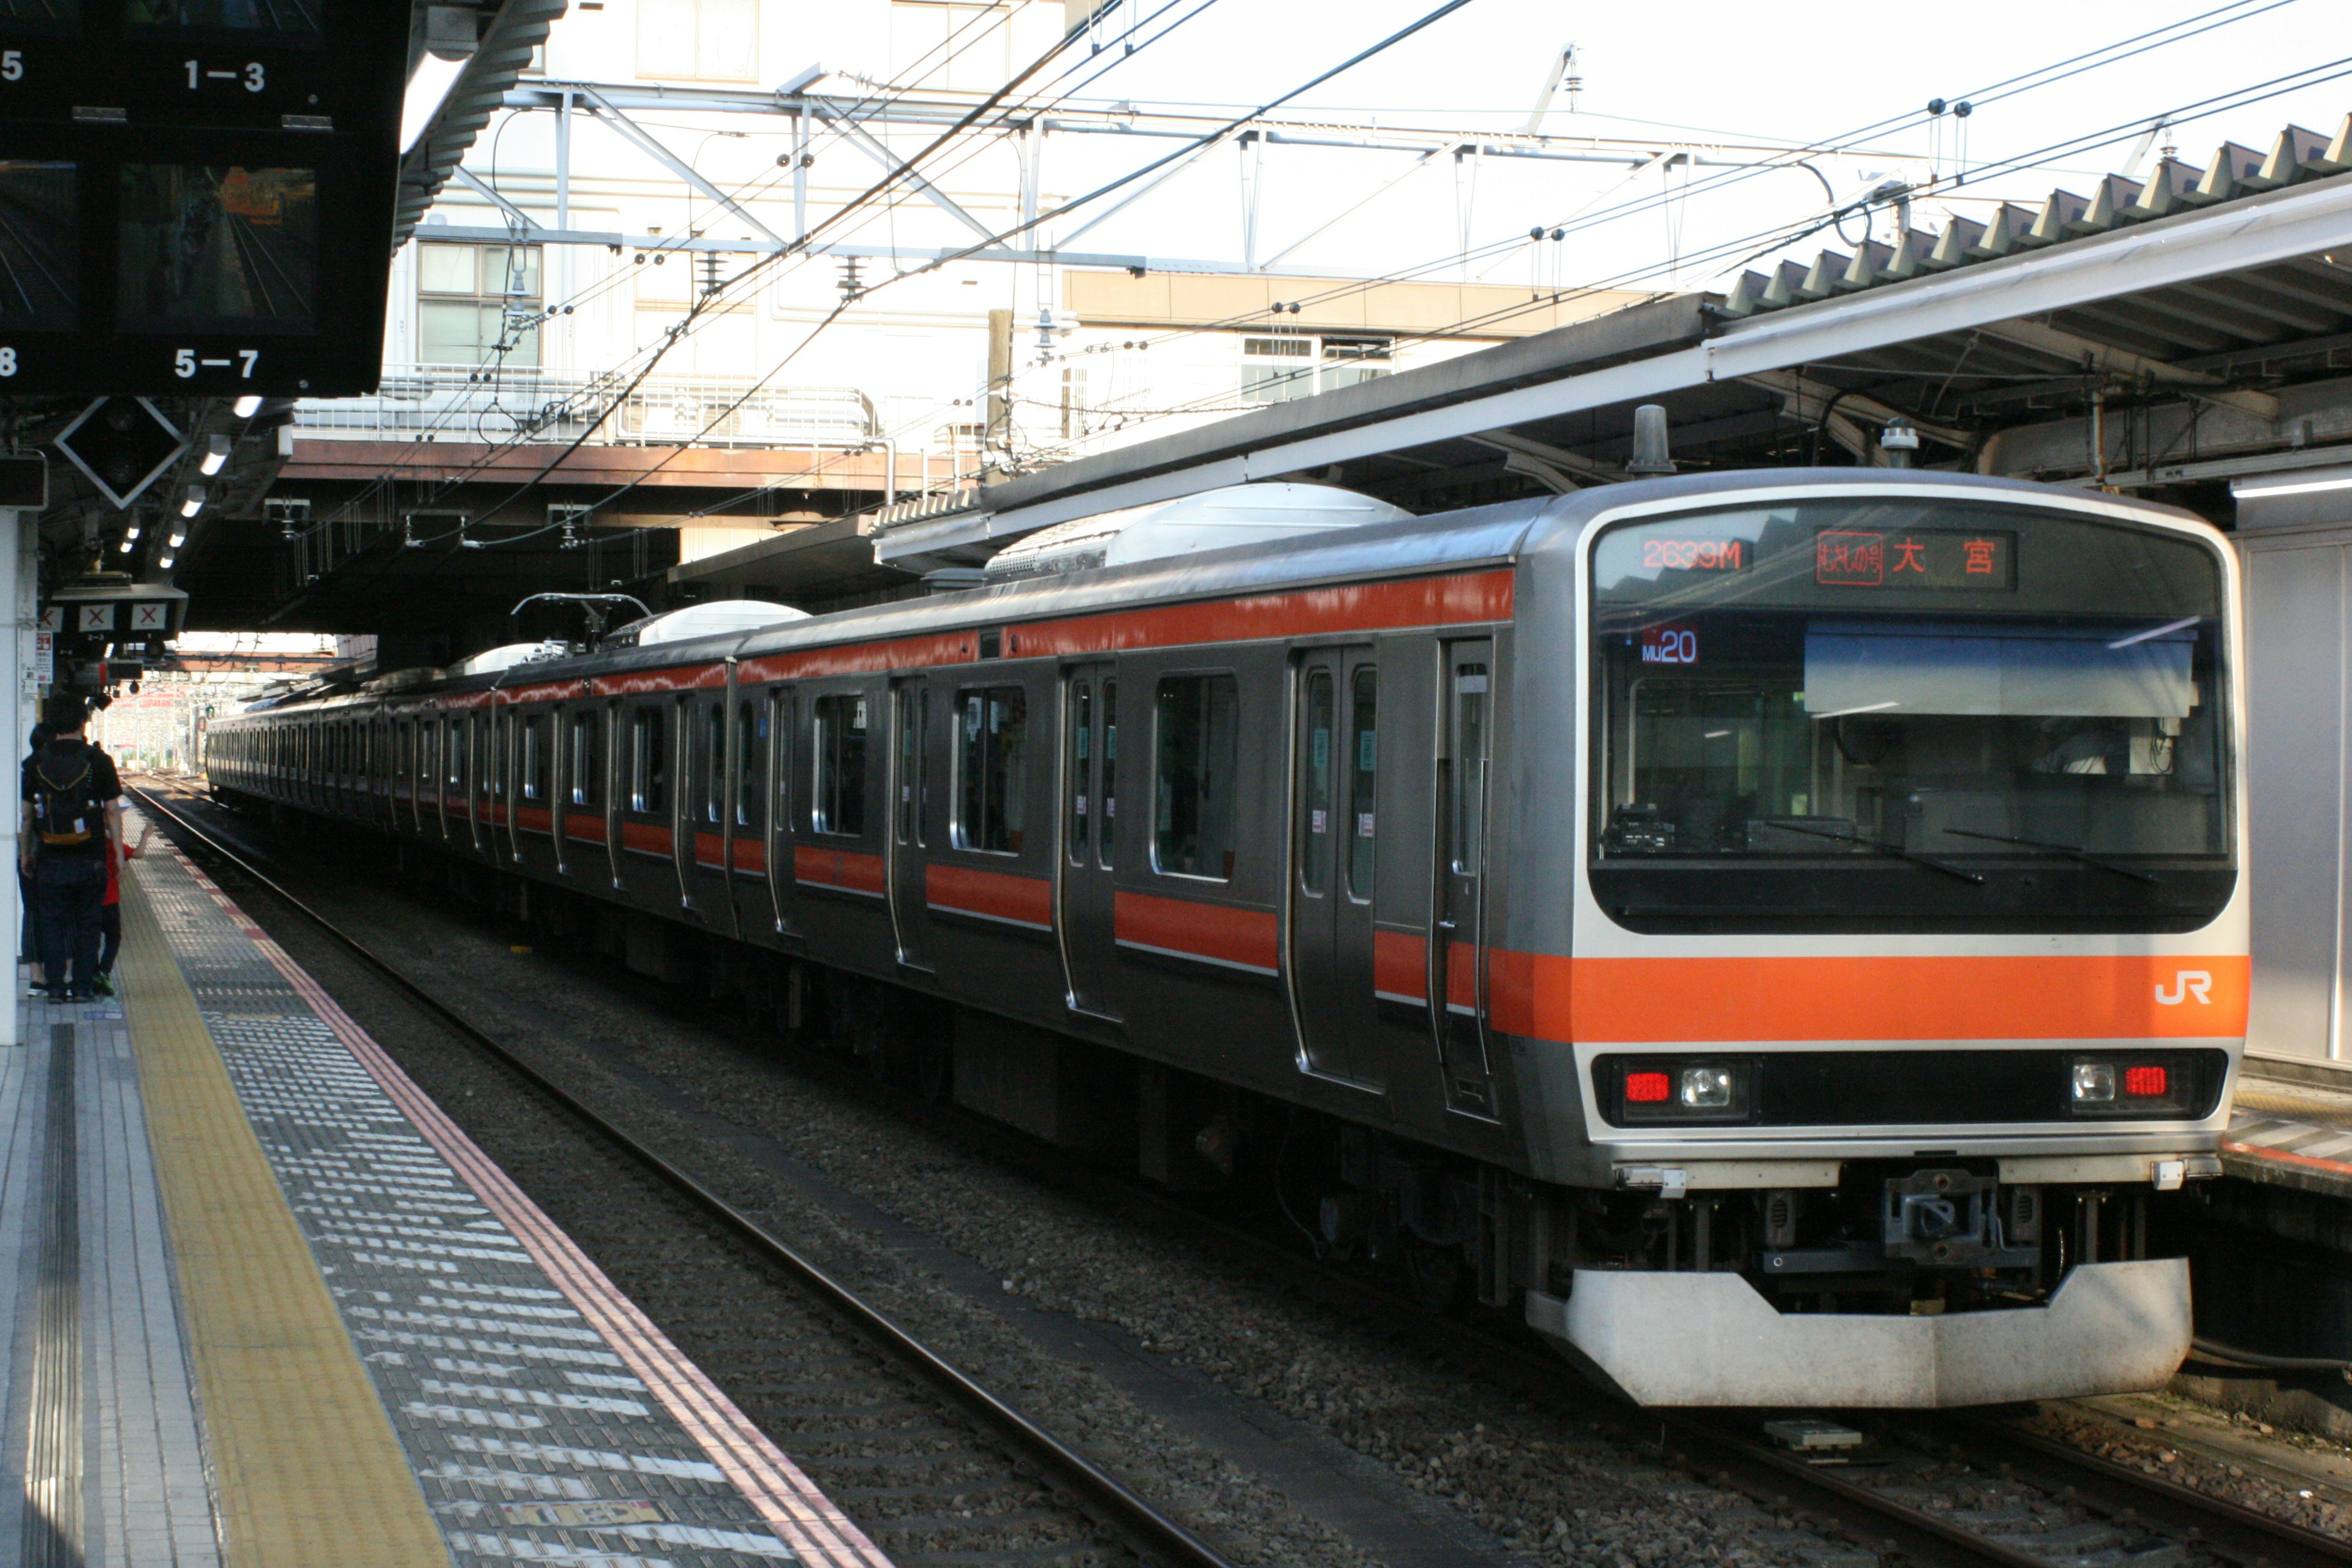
264 1305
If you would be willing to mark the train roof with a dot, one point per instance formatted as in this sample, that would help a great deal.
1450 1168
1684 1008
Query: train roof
1440 543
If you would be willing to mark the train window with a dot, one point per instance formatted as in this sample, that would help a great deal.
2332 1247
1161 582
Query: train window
1363 780
1900 714
838 737
992 754
1198 727
1082 736
712 765
779 725
1469 753
1109 824
494 781
534 757
648 769
750 760
581 766
1314 827
454 740
912 712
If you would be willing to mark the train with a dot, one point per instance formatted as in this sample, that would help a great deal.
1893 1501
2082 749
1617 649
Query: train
1782 933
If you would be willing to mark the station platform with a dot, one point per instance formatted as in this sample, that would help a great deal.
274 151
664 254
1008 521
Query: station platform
265 1307
2291 1126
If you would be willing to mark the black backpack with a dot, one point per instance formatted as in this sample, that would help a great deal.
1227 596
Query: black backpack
64 804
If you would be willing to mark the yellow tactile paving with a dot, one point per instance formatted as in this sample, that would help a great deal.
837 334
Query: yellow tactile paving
309 1471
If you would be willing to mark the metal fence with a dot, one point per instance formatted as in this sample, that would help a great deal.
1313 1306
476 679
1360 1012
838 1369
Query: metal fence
473 403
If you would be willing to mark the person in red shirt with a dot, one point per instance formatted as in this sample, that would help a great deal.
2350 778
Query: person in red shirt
109 909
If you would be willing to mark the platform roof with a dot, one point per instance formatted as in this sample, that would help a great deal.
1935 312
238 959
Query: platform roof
2196 315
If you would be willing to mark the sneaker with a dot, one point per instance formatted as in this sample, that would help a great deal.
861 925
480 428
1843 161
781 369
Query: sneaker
103 986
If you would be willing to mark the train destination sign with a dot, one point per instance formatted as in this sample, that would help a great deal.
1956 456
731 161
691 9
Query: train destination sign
1945 560
197 195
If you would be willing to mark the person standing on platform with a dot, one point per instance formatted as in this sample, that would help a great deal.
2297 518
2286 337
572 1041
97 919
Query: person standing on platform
28 927
109 909
69 827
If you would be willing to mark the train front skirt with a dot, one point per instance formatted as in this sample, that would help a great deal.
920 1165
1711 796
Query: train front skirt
1684 1338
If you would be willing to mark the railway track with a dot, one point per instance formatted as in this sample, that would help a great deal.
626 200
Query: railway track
1100 1494
1931 1488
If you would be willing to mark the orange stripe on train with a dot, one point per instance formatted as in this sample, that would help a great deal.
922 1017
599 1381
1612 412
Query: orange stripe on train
1365 607
2058 997
997 895
1249 938
841 868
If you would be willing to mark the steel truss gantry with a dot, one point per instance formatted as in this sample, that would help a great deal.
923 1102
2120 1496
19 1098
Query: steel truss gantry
853 117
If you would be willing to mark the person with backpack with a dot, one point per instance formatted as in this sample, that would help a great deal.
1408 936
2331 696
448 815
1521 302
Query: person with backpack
69 825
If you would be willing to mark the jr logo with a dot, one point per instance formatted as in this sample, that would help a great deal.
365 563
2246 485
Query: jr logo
2186 982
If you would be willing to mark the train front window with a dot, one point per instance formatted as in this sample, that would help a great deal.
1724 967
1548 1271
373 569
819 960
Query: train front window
1902 714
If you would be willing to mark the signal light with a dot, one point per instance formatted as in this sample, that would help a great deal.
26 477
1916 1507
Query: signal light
1648 1087
2146 1082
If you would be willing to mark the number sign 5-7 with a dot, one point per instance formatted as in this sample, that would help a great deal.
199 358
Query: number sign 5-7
184 363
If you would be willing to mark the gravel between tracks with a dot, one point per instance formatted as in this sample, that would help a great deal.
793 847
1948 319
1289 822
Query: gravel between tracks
1541 1488
1538 1486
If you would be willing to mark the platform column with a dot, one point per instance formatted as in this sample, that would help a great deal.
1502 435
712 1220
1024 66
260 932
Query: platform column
19 590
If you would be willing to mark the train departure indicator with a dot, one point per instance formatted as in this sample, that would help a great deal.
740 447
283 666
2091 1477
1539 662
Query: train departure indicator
1696 554
1943 560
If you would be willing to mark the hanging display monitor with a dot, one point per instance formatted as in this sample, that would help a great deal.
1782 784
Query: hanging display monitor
187 184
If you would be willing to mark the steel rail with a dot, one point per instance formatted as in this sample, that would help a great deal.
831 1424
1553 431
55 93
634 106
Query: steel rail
2217 1524
2227 1530
1162 1535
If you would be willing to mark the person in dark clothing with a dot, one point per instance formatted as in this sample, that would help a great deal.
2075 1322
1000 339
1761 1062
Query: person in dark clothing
70 824
28 943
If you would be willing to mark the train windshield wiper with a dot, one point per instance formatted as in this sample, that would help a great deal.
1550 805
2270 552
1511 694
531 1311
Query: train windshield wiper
1897 850
2072 852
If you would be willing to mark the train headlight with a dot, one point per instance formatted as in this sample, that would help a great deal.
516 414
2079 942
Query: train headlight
2131 1086
1707 1088
2095 1083
1670 1090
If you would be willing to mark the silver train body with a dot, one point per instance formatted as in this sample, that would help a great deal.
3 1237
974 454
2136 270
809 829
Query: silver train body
1782 931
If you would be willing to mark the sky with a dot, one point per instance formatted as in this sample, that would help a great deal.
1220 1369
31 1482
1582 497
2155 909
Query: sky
1701 71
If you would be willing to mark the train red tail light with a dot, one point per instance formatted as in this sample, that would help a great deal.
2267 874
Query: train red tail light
1675 1092
1648 1087
2134 1086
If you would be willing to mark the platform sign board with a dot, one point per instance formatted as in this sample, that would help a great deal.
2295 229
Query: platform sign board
198 194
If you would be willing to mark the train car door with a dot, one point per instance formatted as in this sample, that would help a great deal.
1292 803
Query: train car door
1457 977
1334 749
907 841
709 833
1089 842
614 770
784 896
684 805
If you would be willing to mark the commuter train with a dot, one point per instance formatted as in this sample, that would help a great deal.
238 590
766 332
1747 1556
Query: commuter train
1783 931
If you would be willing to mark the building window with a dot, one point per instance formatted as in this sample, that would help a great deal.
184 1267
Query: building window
950 44
991 769
717 40
474 300
1198 742
647 774
1074 402
839 738
1347 361
1275 370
